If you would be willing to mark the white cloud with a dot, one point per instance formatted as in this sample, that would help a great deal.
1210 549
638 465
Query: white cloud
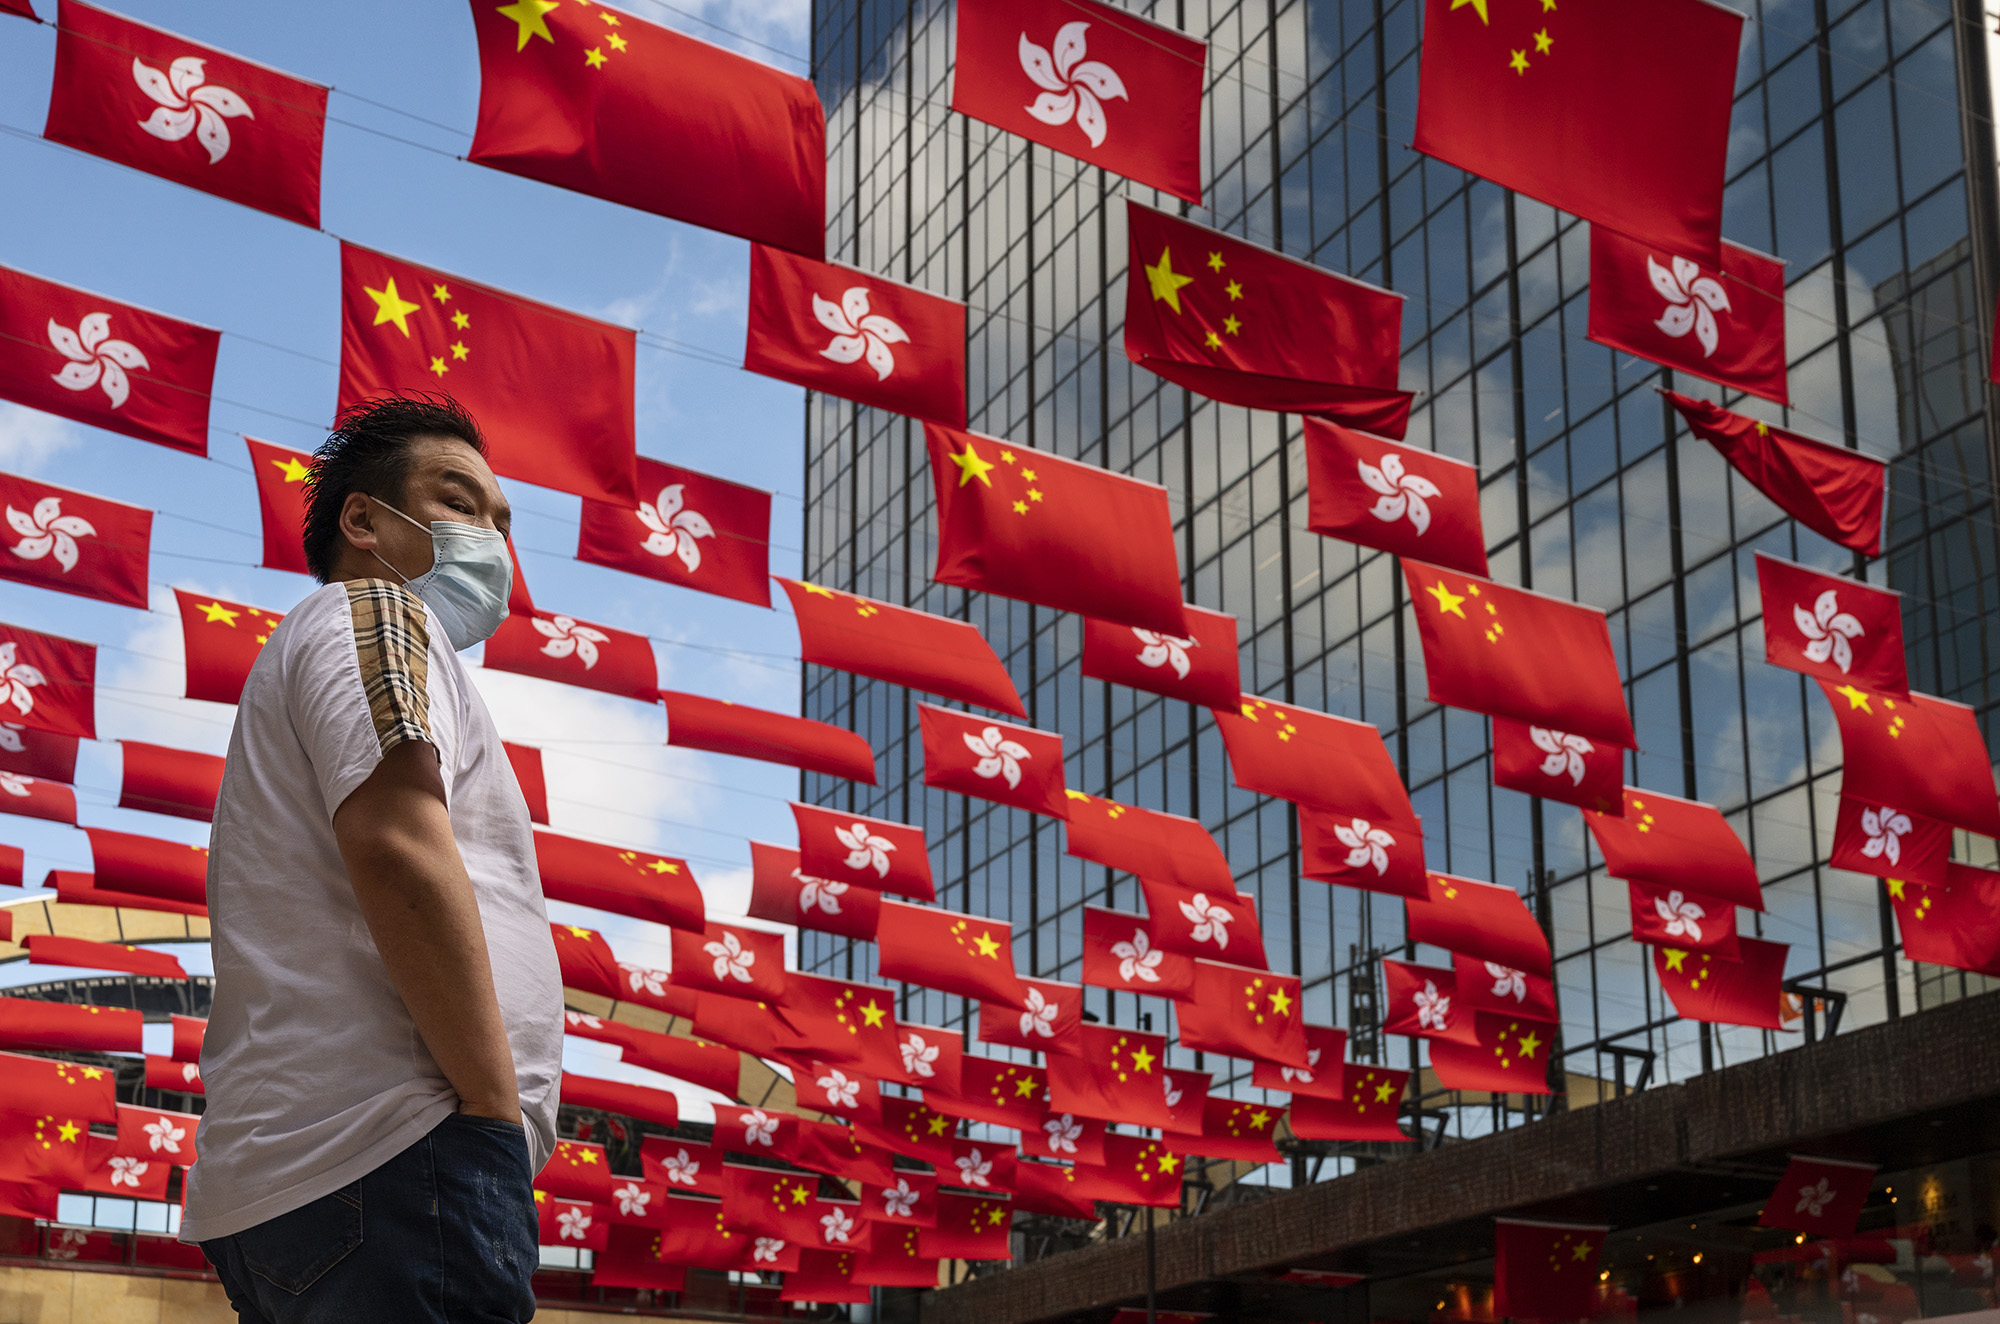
30 438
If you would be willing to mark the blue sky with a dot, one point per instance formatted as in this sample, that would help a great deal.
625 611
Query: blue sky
391 180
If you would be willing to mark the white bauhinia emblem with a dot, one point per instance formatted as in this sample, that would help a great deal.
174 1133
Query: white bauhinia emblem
1693 300
1432 1007
13 783
10 737
127 1171
1399 494
768 1250
644 980
1167 1090
1039 1015
190 1073
1886 829
900 1199
998 756
163 1135
189 103
674 530
1681 915
1562 753
1814 1199
732 961
1507 981
45 530
758 1128
918 1053
95 359
819 893
1063 1132
841 1089
584 1019
1208 921
632 1199
572 1224
565 637
974 1169
865 850
1826 627
858 333
1303 1075
835 1226
683 1169
1367 845
1164 650
18 680
1072 87
1138 960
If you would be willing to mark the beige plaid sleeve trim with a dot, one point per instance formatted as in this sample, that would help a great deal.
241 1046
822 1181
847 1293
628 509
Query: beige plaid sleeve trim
392 639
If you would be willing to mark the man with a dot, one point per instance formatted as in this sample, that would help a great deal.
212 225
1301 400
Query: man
384 1049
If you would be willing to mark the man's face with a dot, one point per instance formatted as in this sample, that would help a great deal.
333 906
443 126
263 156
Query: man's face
449 481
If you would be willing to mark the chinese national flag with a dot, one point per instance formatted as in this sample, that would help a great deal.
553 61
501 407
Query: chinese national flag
837 1151
52 949
1671 917
1422 1002
1821 1197
631 1258
526 761
1119 951
710 1066
1832 627
1879 840
1195 924
1480 919
148 866
1049 1188
998 1093
159 780
1046 1019
687 529
172 107
1247 326
997 761
1135 1171
969 955
693 1234
1088 80
1371 1100
605 103
1253 1014
1544 1270
870 853
35 753
721 727
1511 652
624 882
573 652
1314 759
899 645
404 327
1725 323
52 1148
1236 1130
31 797
50 682
1320 1078
68 1026
1490 986
1034 526
1373 854
1672 842
1957 925
969 1227
1575 109
895 1259
783 892
848 1024
1748 991
823 1277
912 1129
1917 754
281 503
1558 765
841 330
75 543
105 363
587 963
577 1171
1394 498
35 1086
81 889
730 960
222 642
1835 492
1146 842
1509 1056
750 1027
1201 667
1117 1077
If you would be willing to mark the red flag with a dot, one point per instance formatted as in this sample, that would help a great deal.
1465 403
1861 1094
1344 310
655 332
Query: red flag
576 1224
222 641
783 892
169 781
998 1093
1575 110
997 761
405 327
51 949
154 1133
111 365
901 646
1197 924
1821 1197
34 753
624 882
12 861
1835 492
1244 325
1135 1171
771 1133
1479 919
688 529
112 1173
722 727
681 1165
587 964
1062 1135
839 1225
1119 951
281 503
34 1086
730 960
1371 1100
1509 1056
1313 759
1725 323
870 853
172 870
158 102
189 1031
49 682
1832 627
1879 840
835 1150
1319 1078
1510 652
1544 1270
81 889
912 1129
909 1200
1748 991
830 1089
1030 525
824 1277
693 1234
605 103
1046 1019
1200 667
577 1171
931 1058
1394 498
1677 843
1957 925
1490 986
1374 854
969 1227
651 988
164 1073
1237 1130
1119 1076
1145 842
1422 1001
848 1024
75 543
526 762
1088 80
31 797
1919 754
1558 765
34 1023
750 1027
838 329
969 955
1245 1013
631 1258
573 652
1185 1094
1048 1188
896 1260
711 1066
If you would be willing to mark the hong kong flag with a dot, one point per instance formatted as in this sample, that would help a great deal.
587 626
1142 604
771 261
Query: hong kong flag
1394 498
1835 492
577 1224
1027 524
1119 951
624 882
1314 759
864 338
901 646
1544 1270
1821 1197
105 363
1883 840
281 503
1200 667
34 753
175 108
1195 924
1747 991
1490 986
156 1133
1320 1078
783 892
159 780
1677 843
969 955
721 727
997 761
1166 847
1509 652
32 797
1371 1098
1509 1056
605 103
572 652
1253 1014
1832 627
687 529
1558 765
164 1073
1575 108
1048 1018
1919 754
1673 917
1479 919
1725 323
222 641
730 960
75 543
871 853
48 683
1061 1135
404 327
1381 854
1423 1003
1247 326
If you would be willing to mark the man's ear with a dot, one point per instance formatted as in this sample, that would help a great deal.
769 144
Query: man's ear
357 521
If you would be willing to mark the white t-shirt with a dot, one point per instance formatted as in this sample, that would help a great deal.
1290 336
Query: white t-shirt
315 1073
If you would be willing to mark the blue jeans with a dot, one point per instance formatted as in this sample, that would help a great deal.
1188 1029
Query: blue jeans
444 1233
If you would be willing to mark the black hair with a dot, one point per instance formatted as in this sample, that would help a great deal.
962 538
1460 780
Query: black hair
369 451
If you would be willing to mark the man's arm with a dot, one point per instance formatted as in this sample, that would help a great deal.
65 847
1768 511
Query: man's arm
395 838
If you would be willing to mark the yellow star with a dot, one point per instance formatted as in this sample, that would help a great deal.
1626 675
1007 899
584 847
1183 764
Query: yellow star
1281 1002
459 351
971 466
1529 1043
994 1213
69 1132
581 933
461 319
587 1155
438 365
441 293
1259 1120
1143 1059
1034 494
594 58
936 1124
610 20
1169 1163
1543 41
872 1014
1024 1088
1028 474
812 589
391 306
1020 507
1212 341
93 1073
1855 699
1547 5
1518 62
294 471
1231 325
1895 887
615 42
1165 283
529 15
1233 290
799 1194
1580 1251
1447 600
987 947
1385 1091
215 611
1478 6
1675 956
661 866
1215 262
1006 457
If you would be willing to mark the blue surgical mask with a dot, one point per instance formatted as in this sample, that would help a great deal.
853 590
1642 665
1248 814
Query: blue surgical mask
469 580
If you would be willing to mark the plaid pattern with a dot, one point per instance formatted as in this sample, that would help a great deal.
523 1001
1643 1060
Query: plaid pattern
392 637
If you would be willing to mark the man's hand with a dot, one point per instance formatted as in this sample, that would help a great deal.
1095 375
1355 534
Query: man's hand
395 837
